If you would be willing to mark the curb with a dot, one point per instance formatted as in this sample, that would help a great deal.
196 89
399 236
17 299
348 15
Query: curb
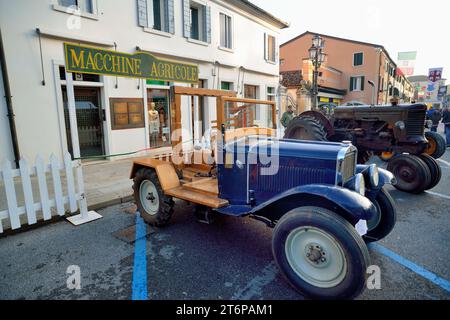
108 203
56 219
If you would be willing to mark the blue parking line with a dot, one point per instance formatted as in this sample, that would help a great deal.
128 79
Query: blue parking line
445 284
139 289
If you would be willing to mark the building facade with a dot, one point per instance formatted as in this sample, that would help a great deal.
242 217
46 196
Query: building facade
233 43
343 77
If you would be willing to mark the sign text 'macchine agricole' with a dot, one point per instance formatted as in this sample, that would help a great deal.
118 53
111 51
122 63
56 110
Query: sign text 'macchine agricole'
84 59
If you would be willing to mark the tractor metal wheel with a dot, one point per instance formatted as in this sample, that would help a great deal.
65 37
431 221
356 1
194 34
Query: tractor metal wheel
411 172
436 144
386 156
384 220
153 205
305 128
320 254
435 170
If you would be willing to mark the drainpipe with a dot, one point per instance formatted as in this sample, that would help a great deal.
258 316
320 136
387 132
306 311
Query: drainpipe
9 106
379 75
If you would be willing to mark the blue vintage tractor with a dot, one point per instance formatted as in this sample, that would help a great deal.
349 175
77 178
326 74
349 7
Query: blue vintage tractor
322 205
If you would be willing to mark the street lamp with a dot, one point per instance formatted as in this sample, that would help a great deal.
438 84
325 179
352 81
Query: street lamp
317 57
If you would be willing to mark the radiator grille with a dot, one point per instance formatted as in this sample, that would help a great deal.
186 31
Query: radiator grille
289 177
348 166
415 126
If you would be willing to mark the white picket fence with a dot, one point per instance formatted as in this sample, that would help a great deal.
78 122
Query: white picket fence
46 205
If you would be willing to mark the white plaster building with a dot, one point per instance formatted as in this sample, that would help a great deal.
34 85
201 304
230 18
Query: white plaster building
234 43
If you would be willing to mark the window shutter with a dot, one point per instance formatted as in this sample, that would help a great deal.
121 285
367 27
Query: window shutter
207 23
170 17
362 83
186 19
266 44
275 44
351 83
142 13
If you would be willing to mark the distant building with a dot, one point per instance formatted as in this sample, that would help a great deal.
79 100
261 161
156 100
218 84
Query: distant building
426 91
344 76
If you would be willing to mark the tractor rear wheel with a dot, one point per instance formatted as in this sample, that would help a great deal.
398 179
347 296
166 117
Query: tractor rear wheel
436 144
435 170
305 128
411 172
155 207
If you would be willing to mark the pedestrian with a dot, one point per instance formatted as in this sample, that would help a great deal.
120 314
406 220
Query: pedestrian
446 121
287 116
435 117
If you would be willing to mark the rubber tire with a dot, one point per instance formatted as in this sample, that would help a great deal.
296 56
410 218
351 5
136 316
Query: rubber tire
440 144
424 174
435 170
352 244
311 125
166 203
386 205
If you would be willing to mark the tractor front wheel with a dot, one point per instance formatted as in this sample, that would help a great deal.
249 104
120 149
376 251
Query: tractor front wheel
153 205
320 254
411 172
435 170
436 144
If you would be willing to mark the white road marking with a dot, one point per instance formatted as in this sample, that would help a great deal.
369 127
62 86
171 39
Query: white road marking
255 286
444 162
438 195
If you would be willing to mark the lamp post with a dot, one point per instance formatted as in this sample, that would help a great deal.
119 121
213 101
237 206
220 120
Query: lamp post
317 57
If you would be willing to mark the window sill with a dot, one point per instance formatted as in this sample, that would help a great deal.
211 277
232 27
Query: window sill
202 43
271 62
158 32
231 50
86 15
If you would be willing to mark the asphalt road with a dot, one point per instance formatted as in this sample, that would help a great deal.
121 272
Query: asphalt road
230 259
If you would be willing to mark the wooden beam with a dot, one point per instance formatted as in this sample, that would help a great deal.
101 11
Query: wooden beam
203 92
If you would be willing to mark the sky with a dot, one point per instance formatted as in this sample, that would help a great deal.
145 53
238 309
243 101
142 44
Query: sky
398 25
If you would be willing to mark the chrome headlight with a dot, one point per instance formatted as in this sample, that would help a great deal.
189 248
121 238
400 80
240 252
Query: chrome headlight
374 176
401 125
359 185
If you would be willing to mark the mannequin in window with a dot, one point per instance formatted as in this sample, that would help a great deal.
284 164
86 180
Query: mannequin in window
153 122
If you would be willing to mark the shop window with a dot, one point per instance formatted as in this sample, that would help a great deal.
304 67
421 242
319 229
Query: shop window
158 105
127 113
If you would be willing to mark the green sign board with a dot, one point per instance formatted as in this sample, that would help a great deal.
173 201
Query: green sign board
84 59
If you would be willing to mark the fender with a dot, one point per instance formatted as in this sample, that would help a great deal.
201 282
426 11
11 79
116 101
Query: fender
386 177
350 204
